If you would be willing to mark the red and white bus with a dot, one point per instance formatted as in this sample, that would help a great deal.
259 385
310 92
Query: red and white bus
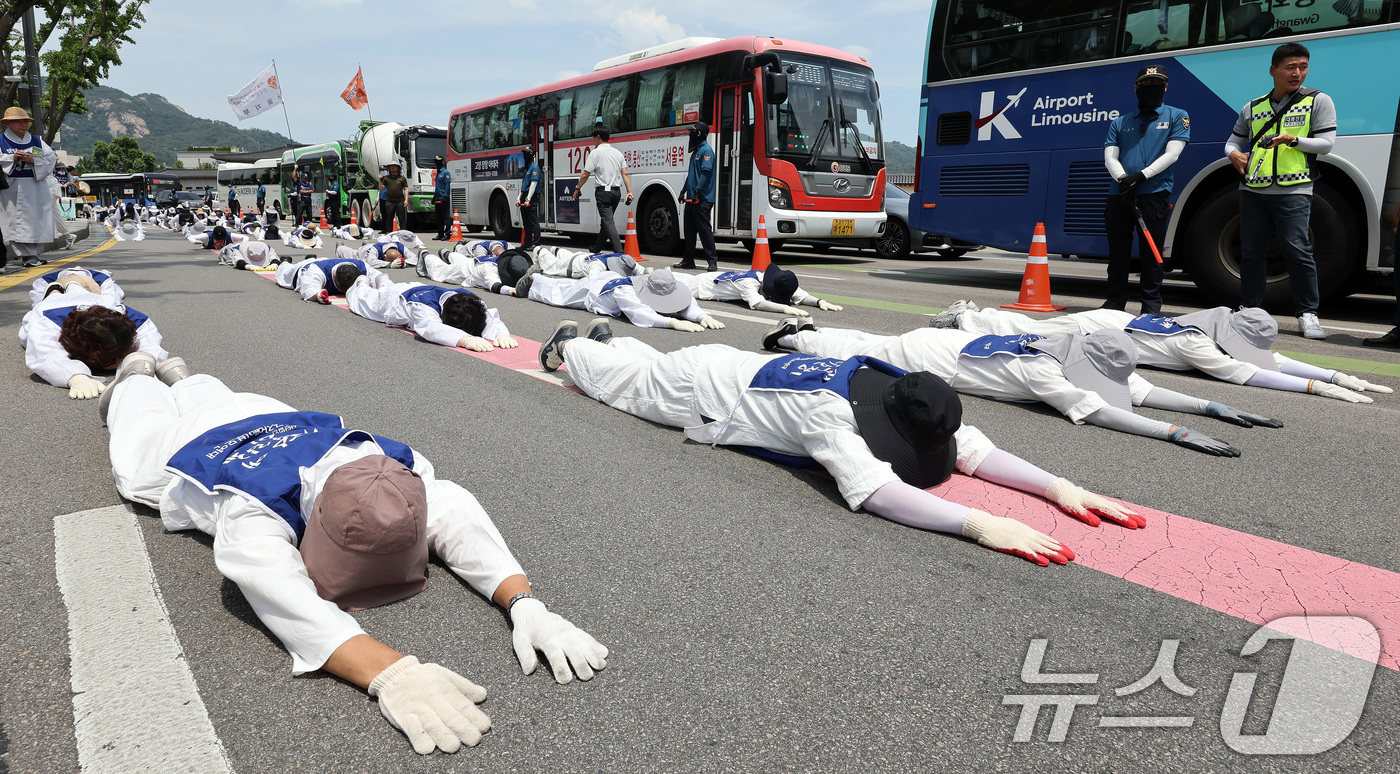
812 164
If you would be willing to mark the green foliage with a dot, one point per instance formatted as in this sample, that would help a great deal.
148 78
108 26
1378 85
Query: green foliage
92 32
123 154
899 158
179 165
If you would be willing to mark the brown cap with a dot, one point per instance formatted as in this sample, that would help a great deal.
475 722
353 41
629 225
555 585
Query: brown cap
367 542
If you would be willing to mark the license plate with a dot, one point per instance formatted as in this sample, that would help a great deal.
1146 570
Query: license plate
844 227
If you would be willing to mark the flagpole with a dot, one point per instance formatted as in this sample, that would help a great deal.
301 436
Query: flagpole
361 70
290 141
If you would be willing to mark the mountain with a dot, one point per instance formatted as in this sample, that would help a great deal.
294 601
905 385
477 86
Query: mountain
160 126
899 158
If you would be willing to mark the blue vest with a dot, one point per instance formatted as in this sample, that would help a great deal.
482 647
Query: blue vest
1157 325
304 188
614 284
98 276
735 276
809 373
327 265
991 346
262 457
9 146
432 295
59 314
380 247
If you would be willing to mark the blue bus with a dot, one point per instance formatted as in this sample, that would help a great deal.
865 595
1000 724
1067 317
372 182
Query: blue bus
1019 94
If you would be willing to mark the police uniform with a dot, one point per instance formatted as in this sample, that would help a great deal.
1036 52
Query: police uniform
262 197
698 196
1141 138
257 515
529 204
417 307
41 326
332 202
606 293
442 202
233 205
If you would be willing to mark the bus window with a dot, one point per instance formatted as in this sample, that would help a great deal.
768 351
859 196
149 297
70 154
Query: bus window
652 99
474 133
587 101
515 125
565 129
1150 26
689 97
456 132
858 112
1008 35
620 104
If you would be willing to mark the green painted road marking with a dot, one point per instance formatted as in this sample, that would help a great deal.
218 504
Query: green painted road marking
1348 364
891 306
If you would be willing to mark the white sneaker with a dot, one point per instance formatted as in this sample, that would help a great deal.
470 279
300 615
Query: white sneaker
1310 327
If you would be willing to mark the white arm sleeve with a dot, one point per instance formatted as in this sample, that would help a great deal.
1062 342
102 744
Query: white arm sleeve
311 282
495 326
45 356
913 507
148 340
751 291
694 313
637 312
1168 158
1303 370
1110 162
1168 400
1275 380
460 532
426 322
1004 468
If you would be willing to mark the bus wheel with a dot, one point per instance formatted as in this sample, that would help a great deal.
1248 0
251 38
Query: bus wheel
659 228
1213 255
499 216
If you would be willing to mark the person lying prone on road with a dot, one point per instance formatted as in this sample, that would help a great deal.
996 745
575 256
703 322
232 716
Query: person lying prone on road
452 317
1086 378
491 265
772 290
884 434
317 519
1232 346
578 264
317 279
378 255
57 282
251 254
655 300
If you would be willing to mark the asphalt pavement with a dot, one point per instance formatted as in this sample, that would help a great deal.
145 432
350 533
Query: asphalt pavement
754 622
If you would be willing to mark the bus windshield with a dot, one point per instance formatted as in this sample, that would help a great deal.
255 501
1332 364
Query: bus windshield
832 113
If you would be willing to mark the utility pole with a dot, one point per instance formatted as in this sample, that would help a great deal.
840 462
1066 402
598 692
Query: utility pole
31 65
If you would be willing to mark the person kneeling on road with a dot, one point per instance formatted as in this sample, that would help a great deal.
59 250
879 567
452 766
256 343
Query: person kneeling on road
452 317
319 520
75 330
1086 378
319 279
1232 346
884 434
772 290
656 300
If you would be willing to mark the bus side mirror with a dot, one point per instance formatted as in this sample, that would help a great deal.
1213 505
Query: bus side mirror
775 87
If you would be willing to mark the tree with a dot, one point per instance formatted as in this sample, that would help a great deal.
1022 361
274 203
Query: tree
179 164
123 154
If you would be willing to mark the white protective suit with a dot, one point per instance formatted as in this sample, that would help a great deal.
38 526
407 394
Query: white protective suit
470 264
26 207
254 254
373 254
578 264
594 295
743 286
102 277
388 305
40 329
255 549
309 278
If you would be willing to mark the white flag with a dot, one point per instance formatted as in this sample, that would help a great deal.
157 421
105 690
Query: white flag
262 94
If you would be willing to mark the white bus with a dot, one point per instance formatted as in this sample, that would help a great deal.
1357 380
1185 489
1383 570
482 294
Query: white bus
246 178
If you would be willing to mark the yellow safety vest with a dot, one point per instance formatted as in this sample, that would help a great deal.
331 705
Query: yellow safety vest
1284 165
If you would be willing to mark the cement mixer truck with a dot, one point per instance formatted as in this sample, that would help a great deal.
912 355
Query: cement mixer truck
377 144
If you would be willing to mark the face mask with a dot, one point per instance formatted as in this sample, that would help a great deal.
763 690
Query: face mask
1151 96
695 140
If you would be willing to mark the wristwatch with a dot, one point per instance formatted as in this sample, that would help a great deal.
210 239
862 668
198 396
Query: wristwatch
1293 141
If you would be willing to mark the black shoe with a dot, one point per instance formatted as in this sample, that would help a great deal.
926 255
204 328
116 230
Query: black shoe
523 285
1150 309
552 351
685 265
599 329
421 267
712 267
785 327
1391 339
1121 307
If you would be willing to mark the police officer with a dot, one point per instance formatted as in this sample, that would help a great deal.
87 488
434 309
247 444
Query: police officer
262 197
233 204
442 197
1274 142
304 191
393 188
332 204
698 196
529 201
1139 153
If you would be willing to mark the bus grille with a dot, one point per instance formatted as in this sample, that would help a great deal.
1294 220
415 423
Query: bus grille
1086 191
459 201
985 180
954 128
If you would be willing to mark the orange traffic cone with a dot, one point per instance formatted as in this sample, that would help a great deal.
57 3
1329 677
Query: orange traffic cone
325 224
1035 283
396 224
456 235
630 246
354 215
761 258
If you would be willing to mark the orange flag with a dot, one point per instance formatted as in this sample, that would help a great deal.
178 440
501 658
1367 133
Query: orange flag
354 94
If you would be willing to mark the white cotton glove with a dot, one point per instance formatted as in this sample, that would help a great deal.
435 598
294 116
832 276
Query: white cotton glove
796 311
475 344
1326 390
504 341
432 705
827 306
560 641
1088 507
83 387
711 323
677 324
1359 385
1012 537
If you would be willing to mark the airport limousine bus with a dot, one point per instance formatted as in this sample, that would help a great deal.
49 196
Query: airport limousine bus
246 178
1018 97
106 188
795 127
323 161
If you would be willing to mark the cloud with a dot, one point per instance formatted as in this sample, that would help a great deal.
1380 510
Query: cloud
643 28
858 50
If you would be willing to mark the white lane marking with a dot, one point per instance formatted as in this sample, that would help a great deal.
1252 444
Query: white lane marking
1355 330
136 706
818 276
884 271
737 316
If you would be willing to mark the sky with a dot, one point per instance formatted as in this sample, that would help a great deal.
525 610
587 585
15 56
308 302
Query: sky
422 58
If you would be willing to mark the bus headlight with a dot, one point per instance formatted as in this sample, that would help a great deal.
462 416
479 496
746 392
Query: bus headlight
779 194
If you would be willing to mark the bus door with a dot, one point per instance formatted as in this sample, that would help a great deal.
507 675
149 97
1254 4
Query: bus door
544 155
734 157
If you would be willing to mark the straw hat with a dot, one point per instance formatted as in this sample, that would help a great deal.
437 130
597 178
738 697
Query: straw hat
16 114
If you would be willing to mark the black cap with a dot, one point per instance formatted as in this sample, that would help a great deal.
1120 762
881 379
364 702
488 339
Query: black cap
528 153
700 127
512 265
1152 72
909 422
778 284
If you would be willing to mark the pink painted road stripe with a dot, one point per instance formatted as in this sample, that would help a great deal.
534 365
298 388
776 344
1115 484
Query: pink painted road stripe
1236 573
